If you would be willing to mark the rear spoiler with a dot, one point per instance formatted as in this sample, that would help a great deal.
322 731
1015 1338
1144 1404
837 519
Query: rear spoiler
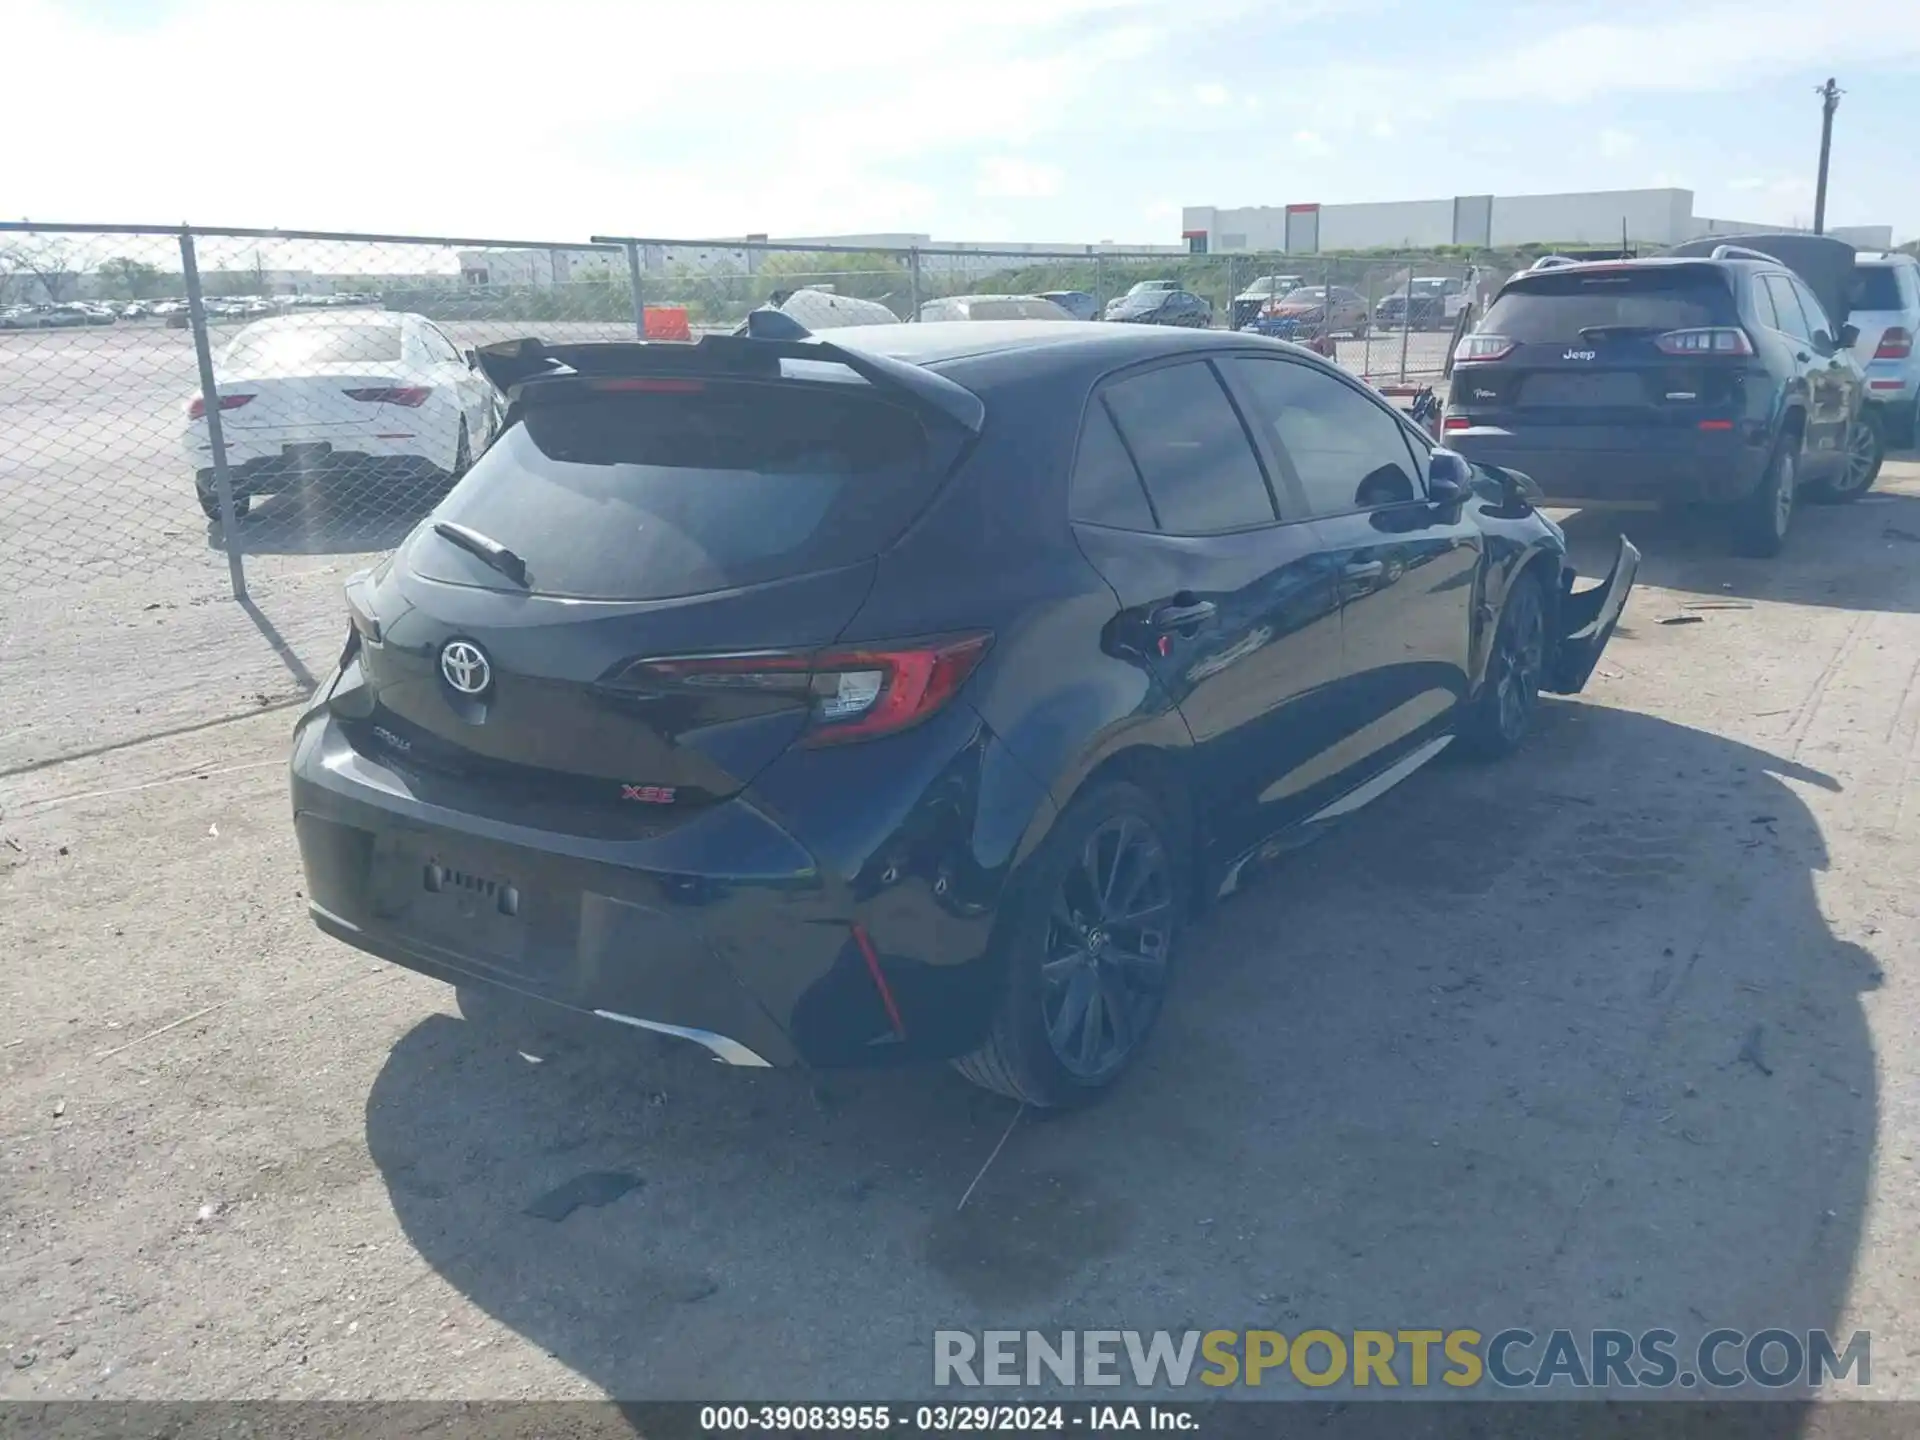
756 355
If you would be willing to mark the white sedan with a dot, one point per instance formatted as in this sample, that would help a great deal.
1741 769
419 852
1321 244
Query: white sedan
358 399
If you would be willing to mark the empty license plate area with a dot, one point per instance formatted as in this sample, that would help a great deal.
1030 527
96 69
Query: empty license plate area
466 904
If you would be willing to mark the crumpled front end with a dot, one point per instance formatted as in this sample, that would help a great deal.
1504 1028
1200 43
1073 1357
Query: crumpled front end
1587 619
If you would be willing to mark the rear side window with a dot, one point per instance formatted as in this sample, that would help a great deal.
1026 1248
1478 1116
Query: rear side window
1553 308
1106 488
643 496
1875 287
1194 456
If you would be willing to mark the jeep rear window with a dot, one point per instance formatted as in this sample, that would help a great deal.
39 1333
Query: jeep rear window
1554 307
643 496
1874 287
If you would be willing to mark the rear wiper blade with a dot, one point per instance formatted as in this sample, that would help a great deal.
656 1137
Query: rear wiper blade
486 548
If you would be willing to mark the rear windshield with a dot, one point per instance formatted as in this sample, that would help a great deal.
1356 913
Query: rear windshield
646 496
1557 306
288 347
1035 309
1874 287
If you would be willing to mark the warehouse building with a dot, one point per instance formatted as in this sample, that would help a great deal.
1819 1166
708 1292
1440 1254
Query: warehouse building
1644 218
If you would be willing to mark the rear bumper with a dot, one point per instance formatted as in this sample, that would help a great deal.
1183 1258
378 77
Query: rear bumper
1614 466
317 449
724 928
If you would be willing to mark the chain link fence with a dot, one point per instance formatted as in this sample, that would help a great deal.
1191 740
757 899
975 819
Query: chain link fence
191 414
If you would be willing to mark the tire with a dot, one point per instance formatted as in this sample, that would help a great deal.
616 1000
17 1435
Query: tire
1866 451
1082 986
1761 522
209 499
1499 717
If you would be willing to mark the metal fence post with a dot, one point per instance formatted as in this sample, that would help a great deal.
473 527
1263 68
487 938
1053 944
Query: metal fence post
639 293
1232 290
913 282
210 398
1406 324
1099 284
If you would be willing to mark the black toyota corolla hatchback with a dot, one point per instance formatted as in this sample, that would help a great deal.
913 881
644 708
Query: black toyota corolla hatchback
904 696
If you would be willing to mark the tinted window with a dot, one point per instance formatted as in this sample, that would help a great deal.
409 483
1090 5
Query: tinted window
1792 320
288 348
642 496
1349 453
1192 453
1763 307
1874 287
1810 305
1106 487
1554 307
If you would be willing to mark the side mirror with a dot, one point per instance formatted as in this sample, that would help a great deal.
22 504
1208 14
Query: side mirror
1449 478
472 357
1849 336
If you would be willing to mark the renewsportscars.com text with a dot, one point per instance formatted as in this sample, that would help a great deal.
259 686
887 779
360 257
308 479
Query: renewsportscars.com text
1460 1359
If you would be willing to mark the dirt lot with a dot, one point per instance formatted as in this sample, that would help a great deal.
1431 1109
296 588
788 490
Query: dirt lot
1616 1033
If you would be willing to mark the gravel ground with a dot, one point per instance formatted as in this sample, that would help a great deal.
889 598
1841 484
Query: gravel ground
1615 1033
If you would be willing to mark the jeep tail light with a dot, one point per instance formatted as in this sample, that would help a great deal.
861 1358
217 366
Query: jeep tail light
1896 343
197 409
1482 347
1456 422
853 693
1709 340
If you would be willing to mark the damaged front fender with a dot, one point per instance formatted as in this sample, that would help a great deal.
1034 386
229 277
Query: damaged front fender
1587 618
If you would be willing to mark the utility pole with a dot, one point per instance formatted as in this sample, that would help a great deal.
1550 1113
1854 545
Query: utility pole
1829 94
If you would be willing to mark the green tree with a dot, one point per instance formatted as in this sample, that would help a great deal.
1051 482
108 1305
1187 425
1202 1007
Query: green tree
122 278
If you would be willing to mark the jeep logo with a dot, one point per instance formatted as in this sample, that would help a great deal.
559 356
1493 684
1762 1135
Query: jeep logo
1578 355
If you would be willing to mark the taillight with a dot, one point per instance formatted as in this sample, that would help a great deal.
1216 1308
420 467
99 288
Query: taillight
852 693
1456 422
197 408
1896 343
1710 340
1482 347
410 396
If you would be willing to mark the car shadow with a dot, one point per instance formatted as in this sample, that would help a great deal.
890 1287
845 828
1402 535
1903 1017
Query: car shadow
314 519
1565 1042
1854 557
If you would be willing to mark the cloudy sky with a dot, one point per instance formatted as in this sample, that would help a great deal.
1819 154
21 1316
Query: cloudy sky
1047 120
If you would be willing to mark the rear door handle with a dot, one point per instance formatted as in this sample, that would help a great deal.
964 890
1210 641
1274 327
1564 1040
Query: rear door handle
1365 570
1180 616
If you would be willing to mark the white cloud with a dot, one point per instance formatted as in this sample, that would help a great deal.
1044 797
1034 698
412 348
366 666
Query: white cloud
1311 142
1212 94
1617 144
1009 177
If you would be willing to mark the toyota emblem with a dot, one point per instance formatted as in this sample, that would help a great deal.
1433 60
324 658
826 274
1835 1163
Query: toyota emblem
465 666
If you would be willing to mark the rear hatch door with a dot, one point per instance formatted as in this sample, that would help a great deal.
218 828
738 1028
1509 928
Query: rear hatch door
311 373
670 518
1586 357
1877 307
